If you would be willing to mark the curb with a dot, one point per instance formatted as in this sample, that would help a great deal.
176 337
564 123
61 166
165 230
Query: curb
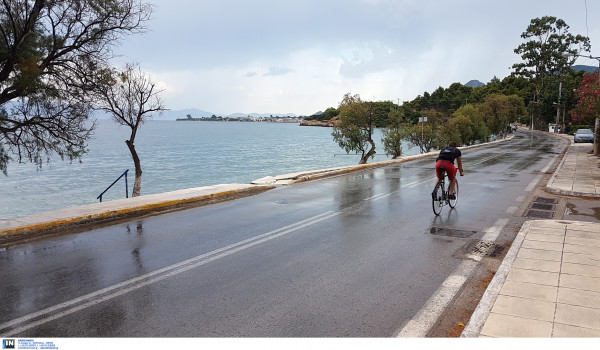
107 212
491 293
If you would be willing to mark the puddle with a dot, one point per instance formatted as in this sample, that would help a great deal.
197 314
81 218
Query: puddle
593 212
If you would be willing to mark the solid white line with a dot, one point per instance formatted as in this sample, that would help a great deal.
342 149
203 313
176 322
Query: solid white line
155 276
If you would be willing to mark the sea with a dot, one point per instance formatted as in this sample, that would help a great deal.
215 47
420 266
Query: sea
174 155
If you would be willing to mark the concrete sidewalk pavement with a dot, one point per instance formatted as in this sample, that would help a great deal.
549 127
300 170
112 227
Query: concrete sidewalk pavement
548 285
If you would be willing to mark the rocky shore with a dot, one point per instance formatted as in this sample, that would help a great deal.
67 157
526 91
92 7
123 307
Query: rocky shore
328 123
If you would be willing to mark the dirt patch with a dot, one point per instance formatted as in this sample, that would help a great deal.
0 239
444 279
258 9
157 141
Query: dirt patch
486 280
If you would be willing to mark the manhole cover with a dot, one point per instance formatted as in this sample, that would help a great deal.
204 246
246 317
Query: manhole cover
542 206
546 200
539 214
450 232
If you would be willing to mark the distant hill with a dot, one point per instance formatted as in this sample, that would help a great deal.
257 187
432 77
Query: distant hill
198 113
587 69
474 84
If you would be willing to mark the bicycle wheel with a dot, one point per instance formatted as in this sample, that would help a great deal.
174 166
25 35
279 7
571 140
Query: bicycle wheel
452 202
437 198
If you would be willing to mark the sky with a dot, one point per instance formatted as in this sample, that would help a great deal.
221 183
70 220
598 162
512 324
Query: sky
302 56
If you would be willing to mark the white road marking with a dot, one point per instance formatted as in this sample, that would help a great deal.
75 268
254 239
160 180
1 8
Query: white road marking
533 183
124 287
419 326
426 317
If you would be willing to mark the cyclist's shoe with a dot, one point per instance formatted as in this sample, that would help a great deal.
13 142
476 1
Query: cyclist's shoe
451 196
433 196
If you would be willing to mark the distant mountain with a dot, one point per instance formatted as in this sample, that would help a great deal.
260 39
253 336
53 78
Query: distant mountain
474 84
587 69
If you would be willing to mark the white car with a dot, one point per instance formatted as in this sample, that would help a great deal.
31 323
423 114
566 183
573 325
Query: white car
584 135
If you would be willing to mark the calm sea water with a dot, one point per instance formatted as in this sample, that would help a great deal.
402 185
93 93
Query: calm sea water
174 155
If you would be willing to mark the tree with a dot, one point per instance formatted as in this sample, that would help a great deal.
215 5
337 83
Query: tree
130 97
548 52
394 134
588 104
499 111
48 51
355 132
468 125
430 135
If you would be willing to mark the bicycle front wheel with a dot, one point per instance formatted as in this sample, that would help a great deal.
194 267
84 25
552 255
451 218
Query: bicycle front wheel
437 198
452 202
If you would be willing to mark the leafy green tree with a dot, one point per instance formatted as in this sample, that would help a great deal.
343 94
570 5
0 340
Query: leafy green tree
131 98
545 55
468 125
394 134
357 124
499 111
431 134
48 52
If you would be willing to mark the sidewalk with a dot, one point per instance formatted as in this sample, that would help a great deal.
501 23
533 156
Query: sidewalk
549 282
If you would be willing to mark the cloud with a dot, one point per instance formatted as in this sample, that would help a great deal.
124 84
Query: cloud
274 71
302 56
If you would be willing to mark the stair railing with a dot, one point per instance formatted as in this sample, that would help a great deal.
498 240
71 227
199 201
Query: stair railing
111 185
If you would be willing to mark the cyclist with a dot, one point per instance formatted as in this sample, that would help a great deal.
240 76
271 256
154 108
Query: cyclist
445 160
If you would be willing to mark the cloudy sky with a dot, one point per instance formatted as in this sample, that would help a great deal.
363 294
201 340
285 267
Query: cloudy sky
302 56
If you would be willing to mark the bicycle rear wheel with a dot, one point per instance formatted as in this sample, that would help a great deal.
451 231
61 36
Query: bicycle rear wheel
452 202
437 198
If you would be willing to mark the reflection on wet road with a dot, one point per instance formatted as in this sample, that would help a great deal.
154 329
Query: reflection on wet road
352 255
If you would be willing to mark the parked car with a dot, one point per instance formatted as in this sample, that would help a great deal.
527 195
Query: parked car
584 135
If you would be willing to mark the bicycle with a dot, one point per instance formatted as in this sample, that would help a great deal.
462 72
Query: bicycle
439 196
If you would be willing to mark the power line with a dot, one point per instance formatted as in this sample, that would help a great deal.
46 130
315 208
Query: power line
587 30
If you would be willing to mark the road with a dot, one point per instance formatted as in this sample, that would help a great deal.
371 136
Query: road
359 255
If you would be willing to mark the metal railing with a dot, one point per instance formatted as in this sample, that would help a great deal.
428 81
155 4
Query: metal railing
111 185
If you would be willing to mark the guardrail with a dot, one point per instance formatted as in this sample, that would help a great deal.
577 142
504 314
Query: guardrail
111 185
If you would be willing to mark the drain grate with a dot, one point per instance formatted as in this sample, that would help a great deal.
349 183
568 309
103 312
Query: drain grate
539 214
546 200
542 206
450 232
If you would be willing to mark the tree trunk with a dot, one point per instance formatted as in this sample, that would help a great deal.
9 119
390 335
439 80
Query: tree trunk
365 157
597 138
137 184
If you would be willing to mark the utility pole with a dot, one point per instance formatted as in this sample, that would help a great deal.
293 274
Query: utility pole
558 107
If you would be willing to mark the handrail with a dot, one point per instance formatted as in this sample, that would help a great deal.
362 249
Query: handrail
111 185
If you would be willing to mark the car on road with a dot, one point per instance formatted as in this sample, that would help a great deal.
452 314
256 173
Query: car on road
584 135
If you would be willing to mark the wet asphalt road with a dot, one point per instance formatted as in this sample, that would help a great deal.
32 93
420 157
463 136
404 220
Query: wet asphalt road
349 256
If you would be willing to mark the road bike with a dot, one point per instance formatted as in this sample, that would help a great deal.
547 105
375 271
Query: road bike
440 194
